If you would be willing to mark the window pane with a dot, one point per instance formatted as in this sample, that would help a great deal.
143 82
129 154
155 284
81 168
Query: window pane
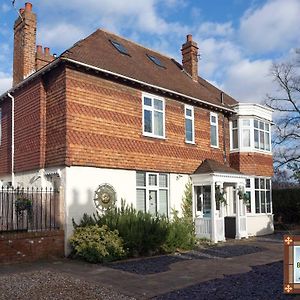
188 130
257 210
262 184
198 199
263 201
268 201
256 143
256 183
267 141
234 124
261 125
248 206
148 101
158 123
235 141
246 122
213 119
248 183
268 184
255 123
246 137
206 200
141 200
147 121
158 104
153 202
188 112
140 179
163 202
213 135
262 140
163 180
267 127
153 179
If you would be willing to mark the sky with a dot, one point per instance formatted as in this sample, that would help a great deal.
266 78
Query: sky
238 40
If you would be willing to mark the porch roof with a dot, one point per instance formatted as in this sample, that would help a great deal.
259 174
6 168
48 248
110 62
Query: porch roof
209 166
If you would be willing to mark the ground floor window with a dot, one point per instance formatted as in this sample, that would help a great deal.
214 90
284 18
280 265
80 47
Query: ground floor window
262 195
152 192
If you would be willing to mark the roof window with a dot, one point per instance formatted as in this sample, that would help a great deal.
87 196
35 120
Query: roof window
155 60
119 47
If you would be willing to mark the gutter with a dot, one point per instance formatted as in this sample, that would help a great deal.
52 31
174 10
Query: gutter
12 138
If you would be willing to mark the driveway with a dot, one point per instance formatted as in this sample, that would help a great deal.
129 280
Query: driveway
246 269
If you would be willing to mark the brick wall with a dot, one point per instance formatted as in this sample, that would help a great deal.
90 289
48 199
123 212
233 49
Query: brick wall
252 163
31 246
5 145
104 129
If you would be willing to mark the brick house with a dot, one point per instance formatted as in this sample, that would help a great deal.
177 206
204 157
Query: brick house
109 112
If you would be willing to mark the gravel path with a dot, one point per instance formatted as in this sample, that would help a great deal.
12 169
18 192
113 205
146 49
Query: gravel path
42 285
263 282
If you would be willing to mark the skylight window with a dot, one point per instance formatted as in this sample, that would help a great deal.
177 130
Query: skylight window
155 60
119 47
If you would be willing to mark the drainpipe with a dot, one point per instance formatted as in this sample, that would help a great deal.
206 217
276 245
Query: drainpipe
12 138
224 135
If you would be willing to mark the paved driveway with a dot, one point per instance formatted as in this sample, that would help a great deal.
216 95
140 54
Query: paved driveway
224 272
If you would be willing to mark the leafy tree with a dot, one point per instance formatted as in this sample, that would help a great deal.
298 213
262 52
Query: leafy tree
286 103
187 202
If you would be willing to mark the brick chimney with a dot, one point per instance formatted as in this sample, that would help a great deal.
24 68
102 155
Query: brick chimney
42 58
189 52
24 44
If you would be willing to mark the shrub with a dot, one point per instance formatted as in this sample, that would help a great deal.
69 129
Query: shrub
180 236
97 244
142 233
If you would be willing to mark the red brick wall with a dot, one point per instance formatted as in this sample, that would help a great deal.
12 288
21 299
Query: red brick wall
31 246
5 147
252 163
104 129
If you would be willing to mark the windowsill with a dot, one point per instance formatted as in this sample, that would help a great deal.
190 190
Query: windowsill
145 134
251 150
190 143
259 214
215 147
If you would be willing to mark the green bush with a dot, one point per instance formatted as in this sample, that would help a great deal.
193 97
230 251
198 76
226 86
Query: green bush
142 233
180 236
97 244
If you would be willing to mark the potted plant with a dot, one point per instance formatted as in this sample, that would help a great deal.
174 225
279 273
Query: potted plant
220 197
243 196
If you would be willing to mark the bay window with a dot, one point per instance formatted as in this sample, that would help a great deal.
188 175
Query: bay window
262 195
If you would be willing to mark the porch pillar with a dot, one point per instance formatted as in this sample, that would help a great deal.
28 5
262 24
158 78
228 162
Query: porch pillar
237 219
213 214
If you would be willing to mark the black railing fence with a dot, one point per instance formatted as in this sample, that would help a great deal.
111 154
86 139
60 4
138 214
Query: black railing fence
30 209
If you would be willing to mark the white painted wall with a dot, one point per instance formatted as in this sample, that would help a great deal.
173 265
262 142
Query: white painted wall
260 224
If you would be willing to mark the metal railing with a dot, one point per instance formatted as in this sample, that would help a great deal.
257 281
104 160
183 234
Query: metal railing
30 209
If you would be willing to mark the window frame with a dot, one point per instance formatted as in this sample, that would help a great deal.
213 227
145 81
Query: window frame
231 134
212 114
192 118
264 190
152 109
157 188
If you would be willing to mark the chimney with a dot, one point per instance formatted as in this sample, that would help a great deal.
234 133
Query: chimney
42 58
24 44
189 52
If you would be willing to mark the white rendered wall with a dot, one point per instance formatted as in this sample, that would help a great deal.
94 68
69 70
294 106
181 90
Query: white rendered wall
260 224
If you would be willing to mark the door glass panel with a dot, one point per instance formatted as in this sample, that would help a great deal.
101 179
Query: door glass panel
153 202
206 201
199 201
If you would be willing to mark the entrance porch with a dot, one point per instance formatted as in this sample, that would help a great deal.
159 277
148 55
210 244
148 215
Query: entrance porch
219 211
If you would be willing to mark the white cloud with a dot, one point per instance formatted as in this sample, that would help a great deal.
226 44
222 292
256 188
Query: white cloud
5 82
210 29
249 81
272 27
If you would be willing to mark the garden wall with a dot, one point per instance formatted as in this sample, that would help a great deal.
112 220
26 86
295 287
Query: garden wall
31 246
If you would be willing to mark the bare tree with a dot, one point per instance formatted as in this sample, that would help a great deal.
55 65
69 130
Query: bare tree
286 103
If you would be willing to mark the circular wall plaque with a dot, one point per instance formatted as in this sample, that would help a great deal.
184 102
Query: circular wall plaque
105 196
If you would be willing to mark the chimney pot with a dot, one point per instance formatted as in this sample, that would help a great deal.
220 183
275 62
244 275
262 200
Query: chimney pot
39 49
47 50
21 10
28 6
189 38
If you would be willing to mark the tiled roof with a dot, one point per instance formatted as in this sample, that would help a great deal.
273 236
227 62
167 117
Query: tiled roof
97 50
211 166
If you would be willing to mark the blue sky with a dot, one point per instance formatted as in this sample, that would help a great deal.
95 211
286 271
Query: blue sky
238 39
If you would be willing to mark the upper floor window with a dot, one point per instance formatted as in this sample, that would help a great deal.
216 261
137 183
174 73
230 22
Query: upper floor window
235 134
189 124
153 116
261 135
152 192
214 130
0 126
